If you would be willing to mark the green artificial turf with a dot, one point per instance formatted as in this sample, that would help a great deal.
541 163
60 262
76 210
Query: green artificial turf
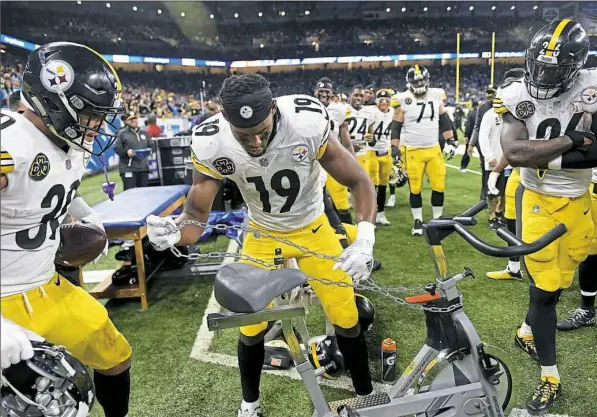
167 382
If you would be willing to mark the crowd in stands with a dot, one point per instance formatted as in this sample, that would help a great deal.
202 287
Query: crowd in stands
292 39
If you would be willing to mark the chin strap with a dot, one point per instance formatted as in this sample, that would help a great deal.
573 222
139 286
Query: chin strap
109 186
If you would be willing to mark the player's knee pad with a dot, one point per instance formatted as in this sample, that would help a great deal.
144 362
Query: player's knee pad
415 185
416 201
437 199
350 333
252 340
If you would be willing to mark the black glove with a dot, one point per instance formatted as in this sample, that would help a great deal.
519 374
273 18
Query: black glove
578 138
395 153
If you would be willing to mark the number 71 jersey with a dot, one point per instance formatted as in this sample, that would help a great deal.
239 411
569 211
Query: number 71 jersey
547 119
420 128
42 181
282 187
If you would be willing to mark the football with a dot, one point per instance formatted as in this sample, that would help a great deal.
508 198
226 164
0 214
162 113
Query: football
80 243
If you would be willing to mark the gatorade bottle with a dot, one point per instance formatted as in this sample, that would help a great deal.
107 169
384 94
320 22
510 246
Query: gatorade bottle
388 361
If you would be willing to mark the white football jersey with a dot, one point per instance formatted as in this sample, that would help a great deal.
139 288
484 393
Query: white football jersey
338 113
358 124
594 177
382 131
42 181
548 119
420 128
282 187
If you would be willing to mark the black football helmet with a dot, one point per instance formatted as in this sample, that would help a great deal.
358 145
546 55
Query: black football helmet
74 90
417 79
51 383
325 353
398 175
556 54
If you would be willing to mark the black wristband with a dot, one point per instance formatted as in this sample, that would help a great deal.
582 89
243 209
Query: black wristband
578 138
584 158
396 129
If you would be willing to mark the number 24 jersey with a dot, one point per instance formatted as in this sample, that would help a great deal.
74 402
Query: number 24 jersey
282 187
42 181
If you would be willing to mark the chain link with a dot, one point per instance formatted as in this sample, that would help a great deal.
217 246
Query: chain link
367 285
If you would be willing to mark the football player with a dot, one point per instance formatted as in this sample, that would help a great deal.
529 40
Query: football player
584 315
378 149
369 95
359 120
70 92
419 116
274 149
338 113
547 117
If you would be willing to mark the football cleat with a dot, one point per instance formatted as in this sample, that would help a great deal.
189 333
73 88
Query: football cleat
578 318
505 275
391 201
382 219
376 265
417 229
527 343
495 224
542 399
258 412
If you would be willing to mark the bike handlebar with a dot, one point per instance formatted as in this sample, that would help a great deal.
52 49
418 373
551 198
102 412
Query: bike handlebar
517 248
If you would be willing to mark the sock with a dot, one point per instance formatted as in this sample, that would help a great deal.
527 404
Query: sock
543 319
112 392
356 360
416 206
514 266
525 330
511 226
392 190
249 406
437 211
551 371
381 198
437 204
587 277
250 362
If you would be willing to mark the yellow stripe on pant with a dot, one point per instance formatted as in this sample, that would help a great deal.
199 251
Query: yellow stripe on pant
338 302
67 315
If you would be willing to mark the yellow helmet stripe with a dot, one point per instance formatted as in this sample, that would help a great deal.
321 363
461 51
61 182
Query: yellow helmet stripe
417 70
118 83
556 35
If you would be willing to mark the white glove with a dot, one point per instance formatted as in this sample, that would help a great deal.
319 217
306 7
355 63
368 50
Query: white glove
16 342
492 183
162 232
450 151
357 259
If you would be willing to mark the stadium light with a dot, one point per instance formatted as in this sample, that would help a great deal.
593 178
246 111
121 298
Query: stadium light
492 7
261 45
282 13
471 8
119 39
108 5
388 10
424 9
134 8
259 14
313 43
448 8
159 11
403 9
307 12
211 16
182 14
236 15
513 7
535 7
78 1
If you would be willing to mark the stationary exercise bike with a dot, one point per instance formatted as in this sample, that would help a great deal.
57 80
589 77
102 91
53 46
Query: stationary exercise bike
452 375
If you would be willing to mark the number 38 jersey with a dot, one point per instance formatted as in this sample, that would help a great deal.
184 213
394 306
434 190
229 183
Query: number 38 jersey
282 187
420 128
42 181
548 119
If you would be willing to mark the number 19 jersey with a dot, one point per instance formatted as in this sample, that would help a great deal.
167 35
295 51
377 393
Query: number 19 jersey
548 119
42 181
282 187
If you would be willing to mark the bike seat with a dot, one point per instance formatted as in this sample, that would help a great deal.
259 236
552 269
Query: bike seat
244 288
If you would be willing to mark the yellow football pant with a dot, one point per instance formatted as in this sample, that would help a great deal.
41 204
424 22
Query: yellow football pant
338 302
552 268
67 315
380 167
510 194
429 161
338 193
593 192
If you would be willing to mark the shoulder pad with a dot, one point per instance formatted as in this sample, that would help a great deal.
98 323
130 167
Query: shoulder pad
16 141
395 100
308 117
508 96
205 141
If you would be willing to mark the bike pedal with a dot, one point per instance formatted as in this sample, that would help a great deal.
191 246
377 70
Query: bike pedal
359 403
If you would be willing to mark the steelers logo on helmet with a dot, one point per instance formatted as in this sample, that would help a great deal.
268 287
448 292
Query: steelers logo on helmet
299 153
589 95
246 112
57 75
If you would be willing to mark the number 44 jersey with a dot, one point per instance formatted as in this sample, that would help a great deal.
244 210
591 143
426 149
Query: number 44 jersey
281 187
548 119
42 181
